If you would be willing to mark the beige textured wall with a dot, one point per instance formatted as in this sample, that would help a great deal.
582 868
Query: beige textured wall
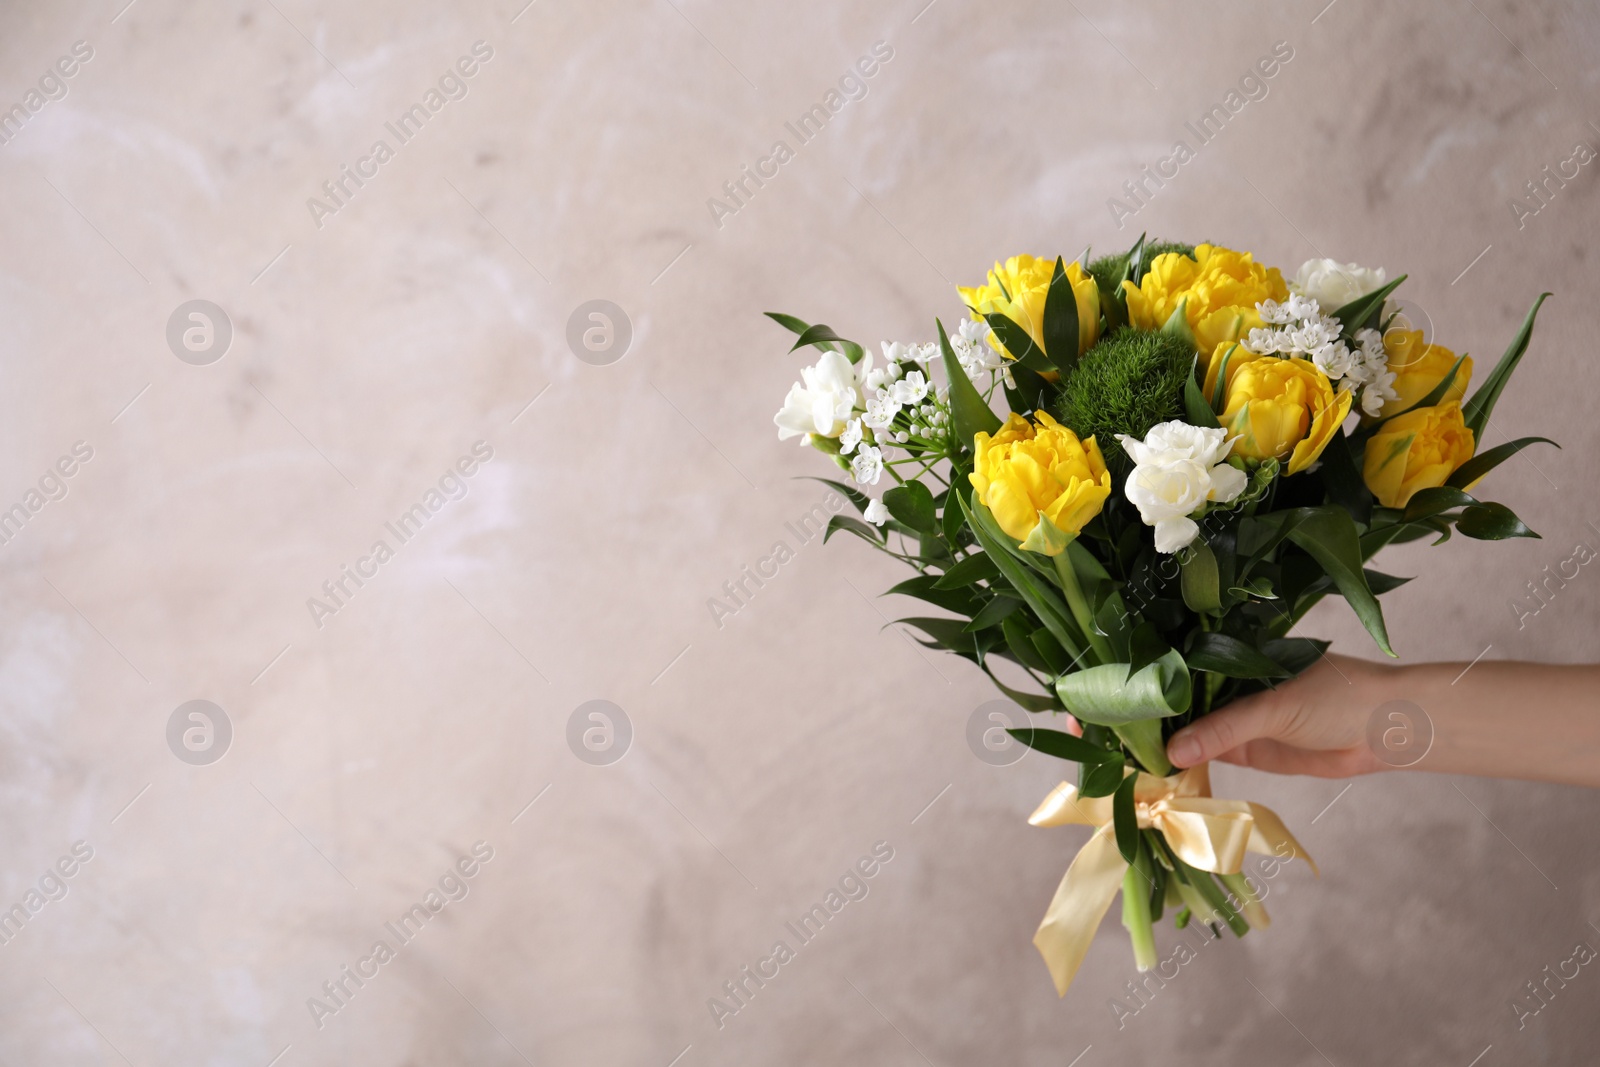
771 752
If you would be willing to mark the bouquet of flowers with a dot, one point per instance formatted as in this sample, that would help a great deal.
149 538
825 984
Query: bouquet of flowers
1194 452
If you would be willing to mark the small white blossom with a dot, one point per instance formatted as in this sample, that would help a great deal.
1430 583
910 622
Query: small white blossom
881 410
867 466
912 388
876 513
824 398
851 436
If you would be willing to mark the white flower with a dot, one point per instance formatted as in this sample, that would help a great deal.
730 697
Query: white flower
824 398
912 388
850 437
1334 360
893 351
876 513
1274 313
881 410
1333 284
1177 469
1176 440
867 466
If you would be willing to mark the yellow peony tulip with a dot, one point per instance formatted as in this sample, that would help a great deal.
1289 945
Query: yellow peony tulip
1418 368
1415 451
1281 408
1018 289
1028 469
1223 288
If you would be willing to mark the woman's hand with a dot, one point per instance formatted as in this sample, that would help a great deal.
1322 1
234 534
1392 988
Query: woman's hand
1315 724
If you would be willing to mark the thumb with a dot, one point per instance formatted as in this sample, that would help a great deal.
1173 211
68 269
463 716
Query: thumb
1222 731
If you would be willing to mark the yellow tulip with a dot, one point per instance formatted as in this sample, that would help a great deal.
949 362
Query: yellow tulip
1418 450
1029 470
1281 408
1419 367
1018 289
1222 287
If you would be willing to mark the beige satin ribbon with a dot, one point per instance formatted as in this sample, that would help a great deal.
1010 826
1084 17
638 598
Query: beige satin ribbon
1206 833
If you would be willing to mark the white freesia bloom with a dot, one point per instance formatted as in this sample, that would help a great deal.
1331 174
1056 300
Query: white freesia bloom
824 398
867 466
876 513
1177 469
1333 284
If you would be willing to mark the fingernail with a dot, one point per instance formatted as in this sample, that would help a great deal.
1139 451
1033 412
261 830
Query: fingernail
1183 750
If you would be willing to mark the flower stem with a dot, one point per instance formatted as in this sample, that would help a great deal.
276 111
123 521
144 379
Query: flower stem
1136 909
1143 738
1080 608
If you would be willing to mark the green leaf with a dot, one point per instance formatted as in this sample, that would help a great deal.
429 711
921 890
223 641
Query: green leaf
1425 503
968 409
1018 342
1329 535
1060 323
855 496
1145 646
992 613
1476 411
1381 583
925 587
1026 701
1044 600
855 526
1125 818
823 336
1229 656
789 322
973 569
1295 654
1046 538
1484 462
1108 696
1019 640
1101 779
949 634
912 504
1195 408
1058 659
1177 325
1062 745
1357 314
1346 486
1198 577
1219 389
1492 522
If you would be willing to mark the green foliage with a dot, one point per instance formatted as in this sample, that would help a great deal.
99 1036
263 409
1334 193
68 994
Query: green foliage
1108 271
1125 384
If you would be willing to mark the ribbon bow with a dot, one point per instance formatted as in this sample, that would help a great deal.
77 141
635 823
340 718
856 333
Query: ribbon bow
1206 833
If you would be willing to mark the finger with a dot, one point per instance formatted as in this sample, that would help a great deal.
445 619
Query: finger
1276 757
1074 727
1221 731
